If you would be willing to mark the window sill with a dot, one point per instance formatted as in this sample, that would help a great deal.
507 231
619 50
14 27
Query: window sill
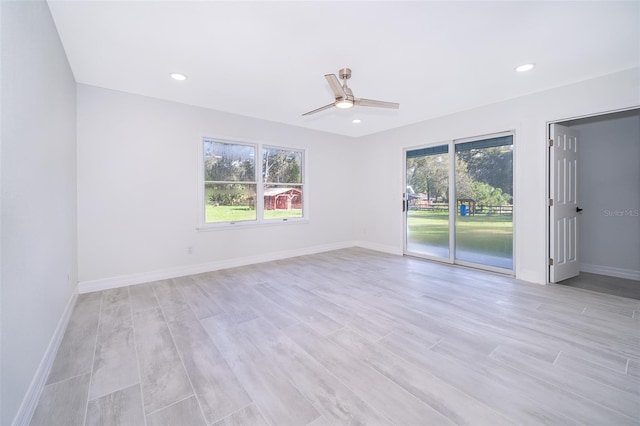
249 224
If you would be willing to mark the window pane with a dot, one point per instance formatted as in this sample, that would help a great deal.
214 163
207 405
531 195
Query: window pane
282 201
229 202
281 166
428 201
229 162
484 209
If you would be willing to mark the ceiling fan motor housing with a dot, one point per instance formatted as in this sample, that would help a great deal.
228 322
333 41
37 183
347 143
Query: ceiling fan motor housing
345 73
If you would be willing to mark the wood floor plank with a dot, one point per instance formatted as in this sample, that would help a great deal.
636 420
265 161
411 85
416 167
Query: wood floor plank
202 304
163 379
476 383
608 357
266 308
170 298
278 400
216 386
608 317
456 405
320 421
185 412
382 320
115 297
346 317
606 376
633 368
63 403
232 304
596 393
445 319
75 355
115 365
318 321
528 325
122 408
374 388
247 416
142 297
336 403
538 386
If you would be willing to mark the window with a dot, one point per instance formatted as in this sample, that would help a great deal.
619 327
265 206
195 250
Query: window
232 193
283 188
229 182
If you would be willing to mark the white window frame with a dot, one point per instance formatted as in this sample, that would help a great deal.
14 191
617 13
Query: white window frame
260 184
302 184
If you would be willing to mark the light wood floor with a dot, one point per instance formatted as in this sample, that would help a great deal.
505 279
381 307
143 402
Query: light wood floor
347 337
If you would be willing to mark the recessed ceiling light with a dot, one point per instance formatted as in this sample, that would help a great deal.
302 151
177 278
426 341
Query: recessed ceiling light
178 76
525 67
356 121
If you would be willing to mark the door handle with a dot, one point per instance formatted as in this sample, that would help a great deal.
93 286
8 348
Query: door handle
578 209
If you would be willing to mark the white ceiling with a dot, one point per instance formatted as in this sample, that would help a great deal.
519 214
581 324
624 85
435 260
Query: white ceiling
267 59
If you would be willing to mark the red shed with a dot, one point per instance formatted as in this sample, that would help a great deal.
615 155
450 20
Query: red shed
282 198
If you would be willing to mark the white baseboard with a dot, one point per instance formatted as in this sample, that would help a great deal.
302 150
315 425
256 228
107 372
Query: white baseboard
380 247
181 271
30 400
629 274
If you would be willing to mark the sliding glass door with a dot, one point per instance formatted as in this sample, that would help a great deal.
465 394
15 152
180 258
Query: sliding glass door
459 202
427 200
484 194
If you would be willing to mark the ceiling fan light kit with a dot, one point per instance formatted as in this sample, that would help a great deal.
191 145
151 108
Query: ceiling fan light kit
344 104
343 95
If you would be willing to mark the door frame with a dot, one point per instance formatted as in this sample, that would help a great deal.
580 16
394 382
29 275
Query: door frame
548 177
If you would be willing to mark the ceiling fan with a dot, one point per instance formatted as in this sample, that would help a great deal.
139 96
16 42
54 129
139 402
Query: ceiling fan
344 95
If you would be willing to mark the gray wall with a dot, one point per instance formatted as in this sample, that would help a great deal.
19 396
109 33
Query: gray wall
609 192
38 184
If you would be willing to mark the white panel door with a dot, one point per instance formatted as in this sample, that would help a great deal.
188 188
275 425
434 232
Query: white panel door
563 211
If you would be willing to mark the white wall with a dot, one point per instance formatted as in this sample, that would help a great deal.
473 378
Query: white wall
380 179
138 188
38 216
609 193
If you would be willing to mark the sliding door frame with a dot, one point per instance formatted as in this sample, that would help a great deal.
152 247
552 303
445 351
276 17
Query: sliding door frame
453 208
406 204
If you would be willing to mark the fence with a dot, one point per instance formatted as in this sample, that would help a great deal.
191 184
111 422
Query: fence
424 205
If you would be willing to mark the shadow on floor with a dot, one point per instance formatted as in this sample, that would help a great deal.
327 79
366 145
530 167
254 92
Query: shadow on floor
604 284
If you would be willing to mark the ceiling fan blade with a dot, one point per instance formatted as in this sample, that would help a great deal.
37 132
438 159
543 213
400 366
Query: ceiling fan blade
378 104
336 88
319 109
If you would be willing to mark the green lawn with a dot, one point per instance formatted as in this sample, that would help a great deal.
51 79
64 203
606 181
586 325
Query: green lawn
490 234
240 213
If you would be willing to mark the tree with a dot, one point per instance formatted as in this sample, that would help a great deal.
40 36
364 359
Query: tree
226 162
464 182
281 166
493 166
487 195
429 175
484 175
